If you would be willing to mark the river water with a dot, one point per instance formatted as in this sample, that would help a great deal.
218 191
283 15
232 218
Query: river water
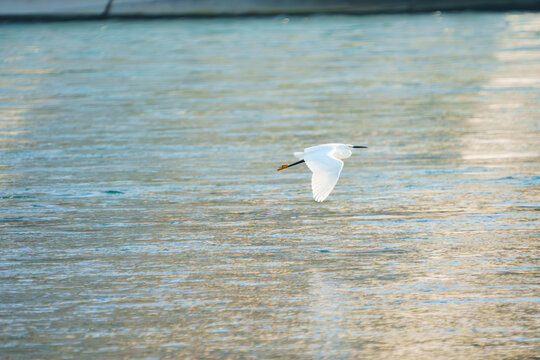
141 214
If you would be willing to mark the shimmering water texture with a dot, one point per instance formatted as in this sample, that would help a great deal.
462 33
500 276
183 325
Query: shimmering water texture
142 216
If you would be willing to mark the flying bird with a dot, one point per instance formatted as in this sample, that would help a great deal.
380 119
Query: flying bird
325 163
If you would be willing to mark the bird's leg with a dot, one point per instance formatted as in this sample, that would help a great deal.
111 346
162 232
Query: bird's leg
286 166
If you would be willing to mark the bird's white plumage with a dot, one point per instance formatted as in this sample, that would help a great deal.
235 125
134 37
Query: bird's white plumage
325 163
326 170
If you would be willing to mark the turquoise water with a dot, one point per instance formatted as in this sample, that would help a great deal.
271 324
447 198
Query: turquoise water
141 214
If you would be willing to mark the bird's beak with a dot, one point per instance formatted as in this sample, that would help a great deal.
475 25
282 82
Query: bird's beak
359 147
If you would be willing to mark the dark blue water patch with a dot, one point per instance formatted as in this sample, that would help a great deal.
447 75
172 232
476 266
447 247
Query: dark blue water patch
483 299
18 218
17 196
113 192
519 180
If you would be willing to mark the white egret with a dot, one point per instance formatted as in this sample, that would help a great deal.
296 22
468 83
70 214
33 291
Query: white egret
325 163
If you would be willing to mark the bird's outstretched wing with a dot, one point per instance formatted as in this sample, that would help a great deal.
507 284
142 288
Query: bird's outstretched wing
326 169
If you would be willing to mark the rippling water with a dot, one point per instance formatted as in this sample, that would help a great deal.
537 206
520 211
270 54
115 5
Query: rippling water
141 214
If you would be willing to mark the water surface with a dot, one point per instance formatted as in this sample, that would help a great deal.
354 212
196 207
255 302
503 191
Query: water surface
141 215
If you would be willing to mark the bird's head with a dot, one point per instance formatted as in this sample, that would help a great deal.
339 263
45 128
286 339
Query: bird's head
344 151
